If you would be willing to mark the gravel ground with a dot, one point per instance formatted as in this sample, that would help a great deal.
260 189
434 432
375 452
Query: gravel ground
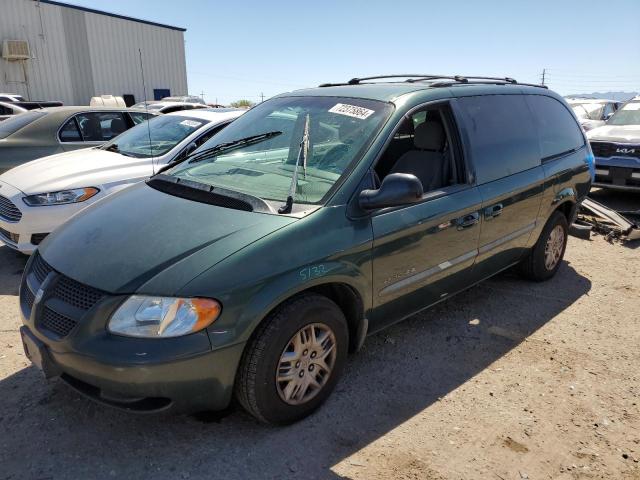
509 380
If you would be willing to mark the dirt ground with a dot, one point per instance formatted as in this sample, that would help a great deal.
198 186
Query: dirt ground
509 380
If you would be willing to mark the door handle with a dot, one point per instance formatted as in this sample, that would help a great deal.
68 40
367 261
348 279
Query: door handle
467 221
492 211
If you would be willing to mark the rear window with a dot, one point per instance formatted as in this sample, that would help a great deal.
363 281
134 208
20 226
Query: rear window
559 132
13 124
502 134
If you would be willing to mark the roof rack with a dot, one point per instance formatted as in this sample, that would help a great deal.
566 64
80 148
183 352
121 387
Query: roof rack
437 80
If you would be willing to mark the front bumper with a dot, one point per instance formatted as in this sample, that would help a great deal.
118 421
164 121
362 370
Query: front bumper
139 375
617 173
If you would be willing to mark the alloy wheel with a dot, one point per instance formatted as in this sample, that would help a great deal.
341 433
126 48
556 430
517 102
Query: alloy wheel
553 248
306 364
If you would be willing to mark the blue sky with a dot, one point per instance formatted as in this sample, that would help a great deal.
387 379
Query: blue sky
240 49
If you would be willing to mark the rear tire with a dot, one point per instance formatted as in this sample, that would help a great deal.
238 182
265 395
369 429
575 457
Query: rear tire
545 258
294 360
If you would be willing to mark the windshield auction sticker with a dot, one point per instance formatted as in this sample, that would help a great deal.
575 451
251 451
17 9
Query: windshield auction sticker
351 111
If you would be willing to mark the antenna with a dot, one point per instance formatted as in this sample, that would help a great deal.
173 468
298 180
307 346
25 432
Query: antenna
146 108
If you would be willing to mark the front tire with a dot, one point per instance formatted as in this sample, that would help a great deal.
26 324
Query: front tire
294 360
545 258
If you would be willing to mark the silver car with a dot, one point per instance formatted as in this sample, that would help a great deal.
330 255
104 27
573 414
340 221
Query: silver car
46 131
593 112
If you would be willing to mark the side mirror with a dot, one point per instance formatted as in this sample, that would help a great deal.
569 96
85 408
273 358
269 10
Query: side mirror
396 189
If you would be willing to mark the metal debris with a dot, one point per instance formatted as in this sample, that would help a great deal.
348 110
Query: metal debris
608 222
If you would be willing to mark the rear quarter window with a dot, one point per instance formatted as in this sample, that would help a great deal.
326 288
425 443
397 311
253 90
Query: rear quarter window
558 131
502 135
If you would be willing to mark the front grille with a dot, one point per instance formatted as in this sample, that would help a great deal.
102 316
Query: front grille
57 324
12 237
9 211
40 268
28 296
69 299
76 294
606 150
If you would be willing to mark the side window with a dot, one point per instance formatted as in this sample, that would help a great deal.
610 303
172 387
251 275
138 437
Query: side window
5 110
502 135
100 126
69 132
559 133
139 117
425 145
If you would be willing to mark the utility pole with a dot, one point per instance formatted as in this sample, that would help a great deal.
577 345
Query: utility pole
544 73
261 97
202 94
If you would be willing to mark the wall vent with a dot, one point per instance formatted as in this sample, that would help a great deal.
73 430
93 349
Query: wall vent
15 50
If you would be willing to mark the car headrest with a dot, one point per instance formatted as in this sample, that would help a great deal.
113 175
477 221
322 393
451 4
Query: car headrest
429 136
118 126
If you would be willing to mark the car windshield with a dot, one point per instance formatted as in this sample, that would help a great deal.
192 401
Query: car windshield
15 123
339 131
165 131
628 114
588 111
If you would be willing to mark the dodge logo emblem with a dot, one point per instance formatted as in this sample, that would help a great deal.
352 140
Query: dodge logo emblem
625 150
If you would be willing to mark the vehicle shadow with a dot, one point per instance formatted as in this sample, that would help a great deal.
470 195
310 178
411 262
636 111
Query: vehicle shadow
50 431
11 266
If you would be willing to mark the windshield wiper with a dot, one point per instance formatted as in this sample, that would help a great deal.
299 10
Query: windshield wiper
302 155
223 147
114 148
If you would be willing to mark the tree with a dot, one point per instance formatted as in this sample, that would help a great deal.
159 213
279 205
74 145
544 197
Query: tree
242 104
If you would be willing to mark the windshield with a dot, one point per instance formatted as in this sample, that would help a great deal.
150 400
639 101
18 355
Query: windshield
628 114
588 111
15 123
166 132
339 131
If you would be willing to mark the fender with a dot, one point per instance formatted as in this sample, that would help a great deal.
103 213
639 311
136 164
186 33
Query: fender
277 290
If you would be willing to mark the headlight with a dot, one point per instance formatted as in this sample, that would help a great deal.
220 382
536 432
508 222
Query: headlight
160 317
60 198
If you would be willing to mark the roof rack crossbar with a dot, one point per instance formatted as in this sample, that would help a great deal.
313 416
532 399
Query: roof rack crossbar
452 80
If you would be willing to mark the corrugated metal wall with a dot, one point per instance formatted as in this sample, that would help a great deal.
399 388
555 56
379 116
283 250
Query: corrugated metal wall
79 54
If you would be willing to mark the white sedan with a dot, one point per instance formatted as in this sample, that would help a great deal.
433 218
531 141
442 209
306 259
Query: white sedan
38 196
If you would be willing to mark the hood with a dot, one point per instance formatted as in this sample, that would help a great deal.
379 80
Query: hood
76 169
615 133
138 234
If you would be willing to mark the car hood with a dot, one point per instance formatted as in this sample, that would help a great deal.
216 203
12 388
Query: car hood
143 240
615 133
76 169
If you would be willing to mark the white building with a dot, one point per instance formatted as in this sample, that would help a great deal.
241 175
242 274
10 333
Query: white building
55 51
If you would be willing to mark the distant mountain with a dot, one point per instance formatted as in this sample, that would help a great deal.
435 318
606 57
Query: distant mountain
620 96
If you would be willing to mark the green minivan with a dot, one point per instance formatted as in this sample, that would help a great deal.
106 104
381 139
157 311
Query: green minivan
254 266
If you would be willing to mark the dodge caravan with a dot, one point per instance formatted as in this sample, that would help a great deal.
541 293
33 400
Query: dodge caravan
252 267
